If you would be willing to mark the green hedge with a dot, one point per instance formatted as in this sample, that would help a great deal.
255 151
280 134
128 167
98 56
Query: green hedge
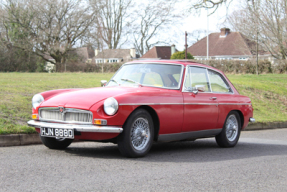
227 66
97 68
243 67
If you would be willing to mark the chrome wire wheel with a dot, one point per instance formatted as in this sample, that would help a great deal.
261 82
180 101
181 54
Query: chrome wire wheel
231 128
140 134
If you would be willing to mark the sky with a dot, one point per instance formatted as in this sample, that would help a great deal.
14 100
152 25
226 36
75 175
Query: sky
199 22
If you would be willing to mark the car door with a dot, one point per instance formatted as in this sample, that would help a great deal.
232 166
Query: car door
201 108
224 94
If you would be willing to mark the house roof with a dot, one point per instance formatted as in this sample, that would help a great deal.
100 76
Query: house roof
232 43
85 52
163 52
114 53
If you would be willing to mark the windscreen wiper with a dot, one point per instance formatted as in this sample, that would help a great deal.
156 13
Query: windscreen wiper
130 80
115 81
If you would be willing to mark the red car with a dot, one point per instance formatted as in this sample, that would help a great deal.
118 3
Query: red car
145 102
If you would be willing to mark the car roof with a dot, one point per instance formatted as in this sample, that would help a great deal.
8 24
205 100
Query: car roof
178 62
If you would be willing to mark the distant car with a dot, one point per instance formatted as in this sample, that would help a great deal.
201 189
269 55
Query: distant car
145 102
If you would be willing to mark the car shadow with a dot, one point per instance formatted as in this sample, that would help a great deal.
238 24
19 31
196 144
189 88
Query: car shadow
203 150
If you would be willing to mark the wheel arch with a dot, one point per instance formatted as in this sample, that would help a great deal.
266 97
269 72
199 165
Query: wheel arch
241 117
154 117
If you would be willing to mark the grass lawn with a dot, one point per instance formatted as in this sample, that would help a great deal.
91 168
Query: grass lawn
17 90
268 93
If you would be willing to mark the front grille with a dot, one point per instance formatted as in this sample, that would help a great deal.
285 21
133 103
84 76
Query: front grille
68 115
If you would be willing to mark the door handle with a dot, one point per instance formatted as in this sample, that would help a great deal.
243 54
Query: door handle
213 98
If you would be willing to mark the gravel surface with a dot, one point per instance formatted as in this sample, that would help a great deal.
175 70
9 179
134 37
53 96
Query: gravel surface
257 163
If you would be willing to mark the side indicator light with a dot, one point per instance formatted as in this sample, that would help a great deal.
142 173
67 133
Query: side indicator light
100 122
34 116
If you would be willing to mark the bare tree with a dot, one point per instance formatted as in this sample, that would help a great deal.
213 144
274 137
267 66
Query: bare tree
209 4
265 20
153 17
111 20
196 35
11 58
50 27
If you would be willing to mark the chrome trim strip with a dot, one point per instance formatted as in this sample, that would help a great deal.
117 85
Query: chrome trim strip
80 128
183 89
188 135
201 104
70 110
208 78
123 104
251 119
234 103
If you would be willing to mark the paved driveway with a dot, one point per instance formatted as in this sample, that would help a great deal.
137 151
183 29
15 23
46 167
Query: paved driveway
257 163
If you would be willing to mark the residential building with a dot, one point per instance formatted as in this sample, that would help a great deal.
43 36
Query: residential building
226 45
86 54
160 52
115 55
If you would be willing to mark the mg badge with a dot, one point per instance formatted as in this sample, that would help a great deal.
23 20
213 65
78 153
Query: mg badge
61 109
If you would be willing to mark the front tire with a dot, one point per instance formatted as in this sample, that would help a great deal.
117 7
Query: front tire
53 143
137 137
230 133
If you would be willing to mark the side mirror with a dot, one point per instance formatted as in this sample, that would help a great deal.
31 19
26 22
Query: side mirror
200 88
191 89
103 83
196 89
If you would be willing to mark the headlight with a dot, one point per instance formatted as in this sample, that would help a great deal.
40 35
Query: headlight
111 106
36 100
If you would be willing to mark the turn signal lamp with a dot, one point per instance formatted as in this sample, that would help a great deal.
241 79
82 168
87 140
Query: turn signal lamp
34 116
100 122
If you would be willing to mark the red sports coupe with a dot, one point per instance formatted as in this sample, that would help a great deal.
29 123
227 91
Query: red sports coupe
145 102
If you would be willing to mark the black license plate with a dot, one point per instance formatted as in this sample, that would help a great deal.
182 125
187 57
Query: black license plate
57 133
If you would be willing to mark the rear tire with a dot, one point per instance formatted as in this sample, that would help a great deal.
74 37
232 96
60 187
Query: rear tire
53 143
137 136
230 133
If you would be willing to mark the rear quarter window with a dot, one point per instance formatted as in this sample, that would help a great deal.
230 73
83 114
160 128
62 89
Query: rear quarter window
218 83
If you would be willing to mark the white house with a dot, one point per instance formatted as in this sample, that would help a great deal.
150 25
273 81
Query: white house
114 55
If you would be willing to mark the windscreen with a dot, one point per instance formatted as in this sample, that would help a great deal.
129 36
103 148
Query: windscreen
153 75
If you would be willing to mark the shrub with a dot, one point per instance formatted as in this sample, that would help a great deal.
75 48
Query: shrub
92 67
181 55
249 66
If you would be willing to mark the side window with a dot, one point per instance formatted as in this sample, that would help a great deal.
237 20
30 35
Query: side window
197 77
218 83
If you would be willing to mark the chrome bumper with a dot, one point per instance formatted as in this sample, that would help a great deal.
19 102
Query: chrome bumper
252 120
80 128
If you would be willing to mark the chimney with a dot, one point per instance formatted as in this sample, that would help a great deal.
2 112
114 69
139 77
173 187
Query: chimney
133 52
224 32
172 49
96 52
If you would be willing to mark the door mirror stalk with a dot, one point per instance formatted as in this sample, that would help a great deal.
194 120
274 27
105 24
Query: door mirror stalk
103 83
